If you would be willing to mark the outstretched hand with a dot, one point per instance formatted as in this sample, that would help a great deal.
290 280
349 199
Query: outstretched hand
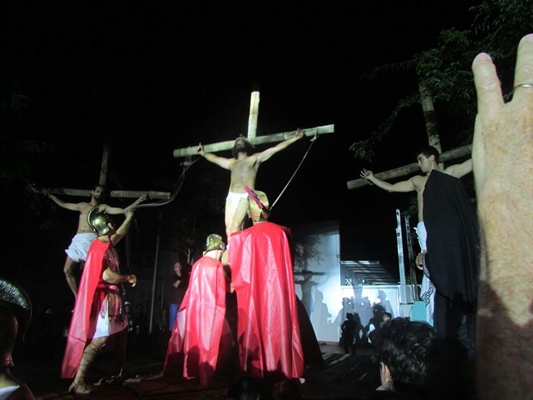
503 134
132 280
37 189
200 149
365 174
145 197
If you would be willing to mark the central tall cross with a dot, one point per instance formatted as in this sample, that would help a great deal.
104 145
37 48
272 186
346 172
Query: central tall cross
252 130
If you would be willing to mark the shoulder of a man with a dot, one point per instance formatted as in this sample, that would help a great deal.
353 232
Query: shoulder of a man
417 181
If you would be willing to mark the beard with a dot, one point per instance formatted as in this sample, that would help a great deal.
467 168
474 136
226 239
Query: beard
242 147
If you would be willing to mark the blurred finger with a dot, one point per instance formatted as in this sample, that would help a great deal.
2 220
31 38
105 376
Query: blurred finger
488 89
524 69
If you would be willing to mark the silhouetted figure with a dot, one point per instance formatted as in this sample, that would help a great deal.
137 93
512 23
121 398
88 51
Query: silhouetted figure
374 324
350 331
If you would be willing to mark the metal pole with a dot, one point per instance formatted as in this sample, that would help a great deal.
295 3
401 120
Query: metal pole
154 279
401 263
410 252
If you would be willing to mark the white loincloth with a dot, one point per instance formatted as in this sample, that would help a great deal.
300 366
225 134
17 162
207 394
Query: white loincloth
106 327
428 290
80 246
235 198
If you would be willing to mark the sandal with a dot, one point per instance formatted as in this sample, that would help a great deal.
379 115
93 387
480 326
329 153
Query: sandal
81 388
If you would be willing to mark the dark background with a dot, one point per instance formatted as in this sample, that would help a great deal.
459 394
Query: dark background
156 76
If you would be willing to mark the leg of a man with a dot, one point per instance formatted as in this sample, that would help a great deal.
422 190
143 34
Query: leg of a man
236 210
120 346
68 269
80 386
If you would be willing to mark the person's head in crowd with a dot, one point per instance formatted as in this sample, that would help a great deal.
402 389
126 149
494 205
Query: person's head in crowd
405 355
387 316
15 316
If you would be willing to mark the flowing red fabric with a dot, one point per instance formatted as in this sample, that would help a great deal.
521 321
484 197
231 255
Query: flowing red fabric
80 325
267 323
193 348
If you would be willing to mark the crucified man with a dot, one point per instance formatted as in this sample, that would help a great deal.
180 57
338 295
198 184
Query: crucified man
77 251
243 166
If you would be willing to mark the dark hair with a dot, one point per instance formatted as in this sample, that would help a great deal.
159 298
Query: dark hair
429 151
103 196
388 314
248 147
406 348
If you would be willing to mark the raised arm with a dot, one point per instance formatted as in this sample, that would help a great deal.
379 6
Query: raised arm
220 161
460 170
403 186
503 160
123 229
131 207
265 155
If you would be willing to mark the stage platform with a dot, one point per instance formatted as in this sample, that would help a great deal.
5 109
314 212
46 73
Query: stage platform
342 377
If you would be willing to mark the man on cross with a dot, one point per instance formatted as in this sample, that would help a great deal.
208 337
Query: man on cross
447 221
77 251
243 166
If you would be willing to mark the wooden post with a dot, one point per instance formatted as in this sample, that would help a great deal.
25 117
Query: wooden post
103 179
254 112
105 161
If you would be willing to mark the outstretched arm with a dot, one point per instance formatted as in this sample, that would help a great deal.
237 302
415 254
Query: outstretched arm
113 277
119 210
460 170
220 161
403 186
61 203
123 229
265 155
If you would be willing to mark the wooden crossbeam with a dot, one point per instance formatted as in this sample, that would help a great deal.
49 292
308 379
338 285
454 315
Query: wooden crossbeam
410 168
275 137
114 193
252 131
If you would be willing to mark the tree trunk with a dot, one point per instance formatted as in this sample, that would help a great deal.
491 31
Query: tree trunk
430 117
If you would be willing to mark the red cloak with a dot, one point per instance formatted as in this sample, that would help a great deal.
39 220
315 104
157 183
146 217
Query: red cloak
80 324
267 323
194 346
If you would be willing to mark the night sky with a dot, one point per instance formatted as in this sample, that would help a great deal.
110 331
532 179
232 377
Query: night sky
156 76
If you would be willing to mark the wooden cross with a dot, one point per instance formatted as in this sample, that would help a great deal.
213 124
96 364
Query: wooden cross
252 130
410 168
103 180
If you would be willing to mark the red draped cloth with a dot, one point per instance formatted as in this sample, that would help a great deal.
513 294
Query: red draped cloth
80 326
200 328
267 324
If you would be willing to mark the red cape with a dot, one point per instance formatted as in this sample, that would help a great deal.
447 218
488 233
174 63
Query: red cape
193 348
267 328
79 326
